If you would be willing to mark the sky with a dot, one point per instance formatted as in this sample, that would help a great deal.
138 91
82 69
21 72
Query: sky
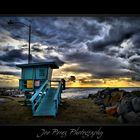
99 51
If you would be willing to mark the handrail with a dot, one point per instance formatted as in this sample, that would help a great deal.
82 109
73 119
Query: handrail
38 91
37 97
34 105
57 96
58 90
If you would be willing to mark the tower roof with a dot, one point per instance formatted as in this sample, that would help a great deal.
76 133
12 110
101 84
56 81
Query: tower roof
52 64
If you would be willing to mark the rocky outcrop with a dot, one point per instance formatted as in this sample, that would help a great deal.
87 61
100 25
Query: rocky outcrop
112 110
119 103
14 92
136 104
124 106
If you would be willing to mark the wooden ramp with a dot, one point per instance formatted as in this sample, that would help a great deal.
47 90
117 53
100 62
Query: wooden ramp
47 105
46 99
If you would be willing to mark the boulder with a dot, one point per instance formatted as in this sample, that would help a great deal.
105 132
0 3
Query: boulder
102 108
135 93
121 119
92 96
115 97
107 100
138 117
126 94
98 101
108 90
111 110
136 104
125 106
130 117
114 89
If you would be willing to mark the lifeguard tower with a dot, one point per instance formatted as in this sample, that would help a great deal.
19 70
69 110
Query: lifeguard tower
35 82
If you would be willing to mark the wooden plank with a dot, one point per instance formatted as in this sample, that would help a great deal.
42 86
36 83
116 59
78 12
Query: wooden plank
47 106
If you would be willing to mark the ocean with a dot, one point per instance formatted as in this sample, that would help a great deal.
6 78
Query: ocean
78 93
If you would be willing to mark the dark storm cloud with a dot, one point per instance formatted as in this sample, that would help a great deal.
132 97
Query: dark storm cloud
115 37
5 48
136 42
113 51
135 77
100 65
56 59
7 64
134 66
37 48
58 30
91 81
69 29
135 59
95 43
13 55
10 73
72 78
37 59
92 28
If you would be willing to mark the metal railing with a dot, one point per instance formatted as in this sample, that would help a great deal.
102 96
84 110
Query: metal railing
57 96
38 96
43 90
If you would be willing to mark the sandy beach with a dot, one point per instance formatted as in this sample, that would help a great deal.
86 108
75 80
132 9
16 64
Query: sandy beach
71 111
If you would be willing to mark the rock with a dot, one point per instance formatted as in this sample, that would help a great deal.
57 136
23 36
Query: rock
116 97
125 106
92 96
120 119
135 93
107 100
114 89
108 90
98 101
111 110
136 104
126 94
113 98
102 108
138 117
130 116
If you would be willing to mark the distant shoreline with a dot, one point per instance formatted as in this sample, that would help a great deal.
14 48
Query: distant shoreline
102 87
9 87
83 87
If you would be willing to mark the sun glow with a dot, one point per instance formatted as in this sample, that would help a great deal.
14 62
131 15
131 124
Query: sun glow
106 83
81 79
9 81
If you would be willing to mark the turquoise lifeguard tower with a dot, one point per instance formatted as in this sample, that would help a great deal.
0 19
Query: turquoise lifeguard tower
36 82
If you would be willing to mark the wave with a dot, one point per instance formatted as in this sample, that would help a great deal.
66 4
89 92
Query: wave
78 93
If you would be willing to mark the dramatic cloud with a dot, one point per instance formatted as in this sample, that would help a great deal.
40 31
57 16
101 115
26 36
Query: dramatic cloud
13 55
72 78
98 64
104 47
10 73
118 31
